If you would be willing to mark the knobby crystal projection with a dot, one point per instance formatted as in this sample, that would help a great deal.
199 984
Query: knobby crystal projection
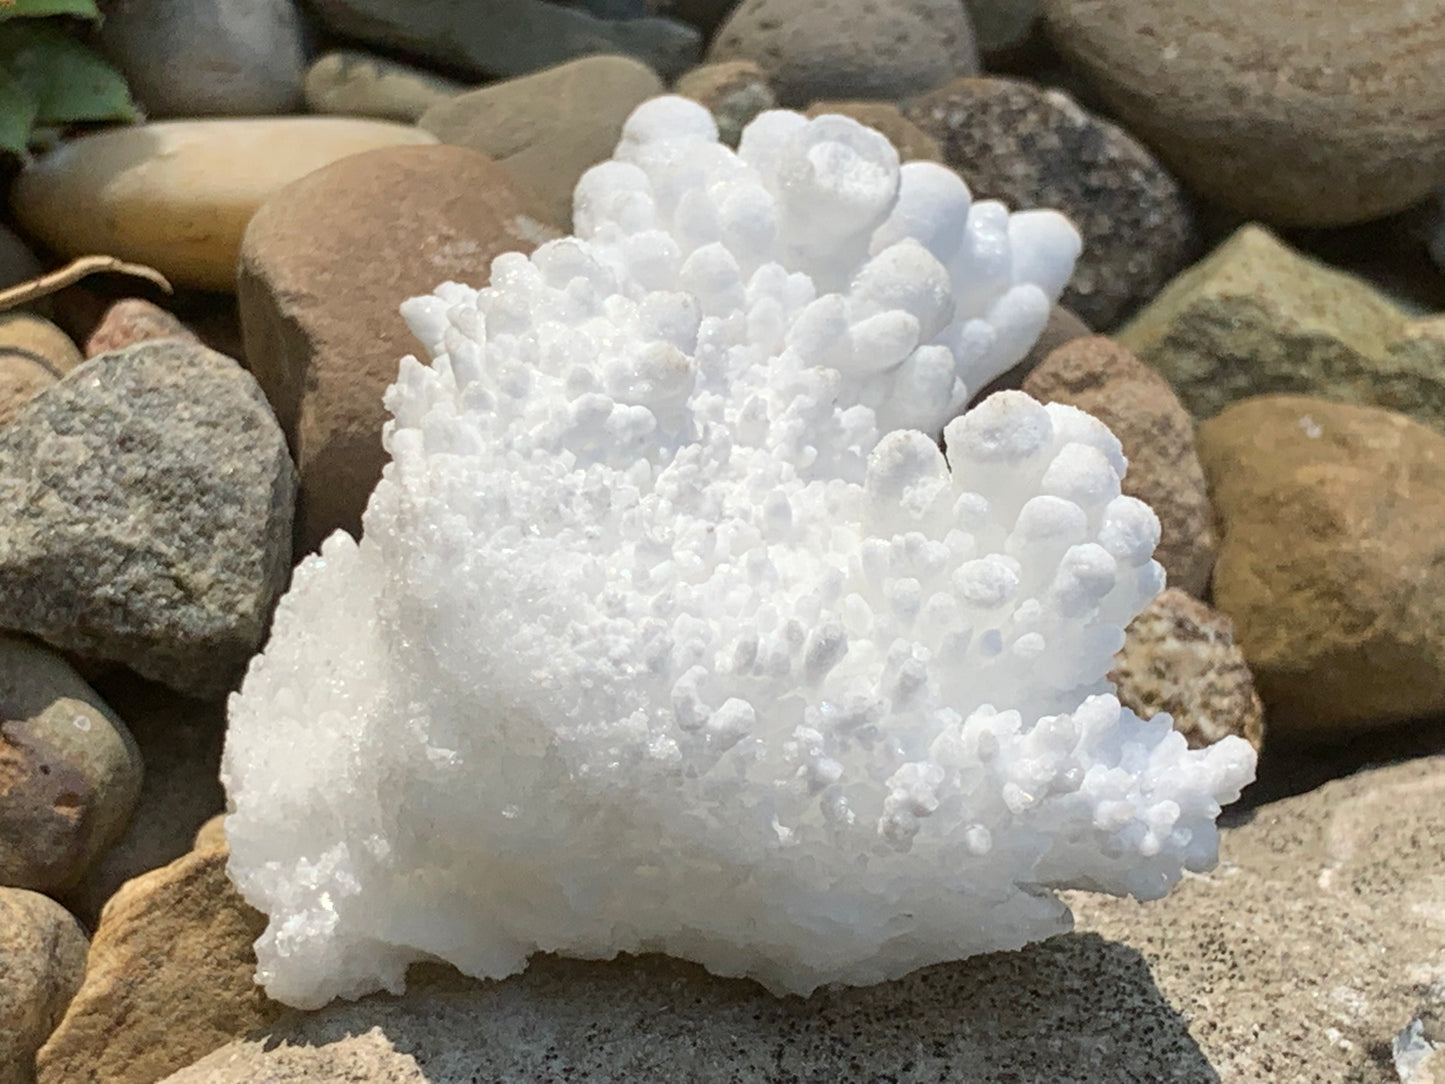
672 628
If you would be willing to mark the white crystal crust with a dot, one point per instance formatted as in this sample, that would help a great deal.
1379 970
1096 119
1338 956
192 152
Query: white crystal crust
672 629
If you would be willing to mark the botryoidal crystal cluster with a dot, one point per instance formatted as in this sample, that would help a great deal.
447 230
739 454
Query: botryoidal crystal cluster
671 627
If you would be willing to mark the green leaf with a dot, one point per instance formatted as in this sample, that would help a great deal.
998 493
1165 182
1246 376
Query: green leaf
66 81
17 115
29 9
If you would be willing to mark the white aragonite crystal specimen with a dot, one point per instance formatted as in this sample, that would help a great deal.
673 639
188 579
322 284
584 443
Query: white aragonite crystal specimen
673 629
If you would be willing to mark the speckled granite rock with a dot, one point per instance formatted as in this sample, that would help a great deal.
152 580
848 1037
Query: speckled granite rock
1331 560
1097 375
849 48
145 514
1031 147
70 771
1315 114
1179 656
1255 317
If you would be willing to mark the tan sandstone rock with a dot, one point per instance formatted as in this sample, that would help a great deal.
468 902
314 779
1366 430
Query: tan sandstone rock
169 979
177 195
1331 559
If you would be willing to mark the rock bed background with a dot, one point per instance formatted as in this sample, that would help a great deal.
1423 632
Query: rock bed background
1255 182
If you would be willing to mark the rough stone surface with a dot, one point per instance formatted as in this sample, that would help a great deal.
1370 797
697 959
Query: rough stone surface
169 979
1103 378
180 741
911 141
849 48
1032 147
177 195
734 91
34 353
70 772
192 58
42 960
1297 959
509 37
362 85
325 356
145 514
1305 951
1301 114
134 320
1331 559
549 128
1255 317
1179 656
1038 1014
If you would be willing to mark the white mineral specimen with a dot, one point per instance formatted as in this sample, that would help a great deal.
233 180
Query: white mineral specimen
669 631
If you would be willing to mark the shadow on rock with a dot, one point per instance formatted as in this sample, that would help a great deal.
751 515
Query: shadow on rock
1075 1008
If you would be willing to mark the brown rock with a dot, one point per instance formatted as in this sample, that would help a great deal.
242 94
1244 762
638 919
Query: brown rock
1316 114
1179 656
1332 559
170 978
70 772
734 91
133 320
34 354
42 960
911 141
324 267
548 128
180 741
1101 377
1030 147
